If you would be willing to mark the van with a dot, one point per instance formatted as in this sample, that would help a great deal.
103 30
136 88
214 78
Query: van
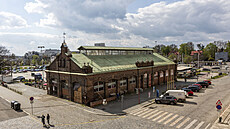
179 94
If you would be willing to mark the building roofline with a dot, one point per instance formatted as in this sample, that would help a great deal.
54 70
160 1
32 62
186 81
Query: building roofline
114 48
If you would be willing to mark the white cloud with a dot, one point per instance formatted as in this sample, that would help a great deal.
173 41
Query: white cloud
50 20
188 20
37 7
10 20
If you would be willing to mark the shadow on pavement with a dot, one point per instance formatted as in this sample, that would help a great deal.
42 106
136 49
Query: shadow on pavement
189 102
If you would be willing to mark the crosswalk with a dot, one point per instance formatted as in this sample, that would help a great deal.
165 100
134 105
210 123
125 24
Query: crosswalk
170 119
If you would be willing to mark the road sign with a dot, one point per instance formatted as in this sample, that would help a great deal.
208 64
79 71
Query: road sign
218 107
31 98
218 102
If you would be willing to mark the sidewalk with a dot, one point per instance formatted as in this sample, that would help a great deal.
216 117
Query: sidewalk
225 122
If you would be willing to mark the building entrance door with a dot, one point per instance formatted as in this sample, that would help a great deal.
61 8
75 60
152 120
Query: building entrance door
77 95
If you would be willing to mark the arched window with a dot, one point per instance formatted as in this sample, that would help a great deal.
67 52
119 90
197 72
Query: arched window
132 80
112 84
98 86
123 82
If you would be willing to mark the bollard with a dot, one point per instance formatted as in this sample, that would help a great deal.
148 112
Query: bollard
220 118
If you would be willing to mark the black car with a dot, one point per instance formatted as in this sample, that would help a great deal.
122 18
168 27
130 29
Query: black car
203 84
166 99
194 88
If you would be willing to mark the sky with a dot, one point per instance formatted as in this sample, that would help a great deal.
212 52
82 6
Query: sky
27 24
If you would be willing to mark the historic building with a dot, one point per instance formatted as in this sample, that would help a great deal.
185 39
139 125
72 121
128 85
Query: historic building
100 73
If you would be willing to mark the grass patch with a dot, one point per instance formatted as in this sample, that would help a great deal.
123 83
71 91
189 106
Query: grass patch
219 76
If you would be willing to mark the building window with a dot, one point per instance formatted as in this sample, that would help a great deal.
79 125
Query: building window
172 72
112 85
156 75
99 86
162 74
132 80
123 82
166 73
64 84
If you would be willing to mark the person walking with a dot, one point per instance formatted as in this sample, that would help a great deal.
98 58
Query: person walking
48 119
43 120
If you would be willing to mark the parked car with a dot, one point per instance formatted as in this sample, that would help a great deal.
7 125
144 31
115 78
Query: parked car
179 94
206 69
198 85
216 68
189 91
166 99
209 82
194 88
20 78
203 84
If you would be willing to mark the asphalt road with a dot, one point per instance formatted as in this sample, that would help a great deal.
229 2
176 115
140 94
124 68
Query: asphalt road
7 113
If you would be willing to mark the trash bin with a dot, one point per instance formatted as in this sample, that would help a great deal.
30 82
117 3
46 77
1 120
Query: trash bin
12 103
17 106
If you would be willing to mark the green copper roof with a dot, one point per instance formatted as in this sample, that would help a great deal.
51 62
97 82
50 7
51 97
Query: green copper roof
108 63
113 48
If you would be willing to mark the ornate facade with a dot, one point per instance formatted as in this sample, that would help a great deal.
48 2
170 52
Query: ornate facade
100 73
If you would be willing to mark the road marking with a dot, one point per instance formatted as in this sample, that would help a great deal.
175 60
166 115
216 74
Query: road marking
165 118
182 123
145 112
159 116
150 113
154 115
190 124
166 122
199 125
207 126
177 120
139 112
135 110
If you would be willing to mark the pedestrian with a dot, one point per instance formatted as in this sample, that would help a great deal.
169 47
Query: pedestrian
48 119
43 120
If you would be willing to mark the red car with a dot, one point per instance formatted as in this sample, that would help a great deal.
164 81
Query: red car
198 85
189 91
209 82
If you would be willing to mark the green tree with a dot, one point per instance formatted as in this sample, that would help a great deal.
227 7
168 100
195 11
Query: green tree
228 49
209 51
173 56
35 59
186 48
187 59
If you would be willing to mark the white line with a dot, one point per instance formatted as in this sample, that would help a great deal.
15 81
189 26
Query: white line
159 116
135 110
145 112
150 113
207 126
140 112
199 125
165 118
182 123
190 124
154 115
177 120
166 122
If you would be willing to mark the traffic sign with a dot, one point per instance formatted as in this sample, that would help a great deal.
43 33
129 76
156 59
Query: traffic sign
218 102
218 107
31 98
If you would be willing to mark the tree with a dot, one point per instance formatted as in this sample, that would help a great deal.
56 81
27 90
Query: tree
209 51
35 59
228 49
173 56
186 48
187 59
200 46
